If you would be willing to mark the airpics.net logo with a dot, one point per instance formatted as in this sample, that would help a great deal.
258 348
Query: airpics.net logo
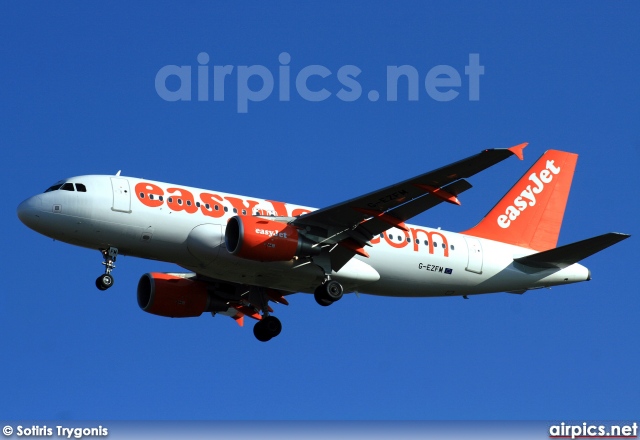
206 82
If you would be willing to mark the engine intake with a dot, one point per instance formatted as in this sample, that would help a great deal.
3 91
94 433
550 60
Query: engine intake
256 238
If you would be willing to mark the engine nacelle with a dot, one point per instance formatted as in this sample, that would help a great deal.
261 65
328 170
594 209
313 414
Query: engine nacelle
168 295
256 238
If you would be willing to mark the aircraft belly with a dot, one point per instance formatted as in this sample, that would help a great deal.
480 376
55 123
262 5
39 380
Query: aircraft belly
292 275
279 275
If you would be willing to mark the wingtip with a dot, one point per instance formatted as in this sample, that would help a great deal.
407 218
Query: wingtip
518 150
621 235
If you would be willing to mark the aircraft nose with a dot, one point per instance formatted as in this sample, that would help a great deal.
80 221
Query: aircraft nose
29 211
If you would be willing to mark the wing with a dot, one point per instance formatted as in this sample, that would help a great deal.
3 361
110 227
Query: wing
354 222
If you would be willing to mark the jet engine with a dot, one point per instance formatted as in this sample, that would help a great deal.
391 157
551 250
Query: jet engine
175 297
256 238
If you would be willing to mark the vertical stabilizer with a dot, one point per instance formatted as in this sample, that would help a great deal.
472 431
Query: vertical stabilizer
530 214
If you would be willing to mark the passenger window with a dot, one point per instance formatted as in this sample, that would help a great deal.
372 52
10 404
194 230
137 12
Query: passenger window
452 248
81 188
444 246
435 245
67 187
417 241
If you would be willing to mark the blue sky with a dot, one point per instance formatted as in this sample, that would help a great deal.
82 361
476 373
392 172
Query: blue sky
78 97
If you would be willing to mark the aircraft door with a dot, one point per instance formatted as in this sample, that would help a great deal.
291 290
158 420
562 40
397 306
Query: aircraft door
474 252
121 195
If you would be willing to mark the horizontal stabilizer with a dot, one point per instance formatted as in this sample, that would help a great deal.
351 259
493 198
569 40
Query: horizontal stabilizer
569 254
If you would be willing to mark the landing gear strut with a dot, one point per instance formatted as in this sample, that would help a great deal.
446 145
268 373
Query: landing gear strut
328 292
103 282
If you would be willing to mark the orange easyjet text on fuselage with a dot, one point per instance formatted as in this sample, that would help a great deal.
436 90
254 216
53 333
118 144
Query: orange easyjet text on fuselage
212 205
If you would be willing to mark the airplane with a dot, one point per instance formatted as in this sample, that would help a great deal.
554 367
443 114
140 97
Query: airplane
244 253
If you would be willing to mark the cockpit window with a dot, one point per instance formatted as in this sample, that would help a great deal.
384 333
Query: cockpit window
67 186
54 187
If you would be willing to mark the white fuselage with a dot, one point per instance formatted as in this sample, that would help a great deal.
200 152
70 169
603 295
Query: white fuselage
181 225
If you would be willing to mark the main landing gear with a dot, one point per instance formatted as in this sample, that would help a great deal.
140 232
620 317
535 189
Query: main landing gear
103 282
328 292
268 327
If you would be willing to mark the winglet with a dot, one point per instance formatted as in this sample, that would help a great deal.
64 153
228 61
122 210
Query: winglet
517 150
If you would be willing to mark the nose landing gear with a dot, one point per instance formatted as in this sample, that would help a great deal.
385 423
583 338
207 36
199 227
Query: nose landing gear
103 282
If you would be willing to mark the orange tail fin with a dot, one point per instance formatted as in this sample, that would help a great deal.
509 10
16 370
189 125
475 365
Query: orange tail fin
530 214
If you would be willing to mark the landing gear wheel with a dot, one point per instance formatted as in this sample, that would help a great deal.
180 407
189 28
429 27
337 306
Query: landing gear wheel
328 293
333 290
272 325
321 300
259 333
269 327
103 282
